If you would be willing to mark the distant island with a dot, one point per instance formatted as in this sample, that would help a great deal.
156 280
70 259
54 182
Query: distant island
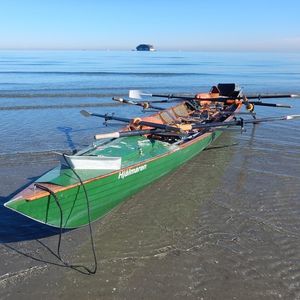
145 47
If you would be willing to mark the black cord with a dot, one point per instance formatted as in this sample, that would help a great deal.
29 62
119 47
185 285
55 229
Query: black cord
73 266
44 188
89 217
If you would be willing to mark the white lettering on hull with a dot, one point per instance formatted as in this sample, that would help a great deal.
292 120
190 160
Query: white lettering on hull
127 172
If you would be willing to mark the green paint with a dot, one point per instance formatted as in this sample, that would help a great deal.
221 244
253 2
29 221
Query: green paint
142 163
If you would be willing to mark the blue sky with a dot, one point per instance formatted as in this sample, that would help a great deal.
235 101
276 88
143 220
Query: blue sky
168 25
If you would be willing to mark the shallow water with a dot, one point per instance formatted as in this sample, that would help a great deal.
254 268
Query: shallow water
224 226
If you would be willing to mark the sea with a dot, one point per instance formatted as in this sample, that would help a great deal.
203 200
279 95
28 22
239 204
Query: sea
226 225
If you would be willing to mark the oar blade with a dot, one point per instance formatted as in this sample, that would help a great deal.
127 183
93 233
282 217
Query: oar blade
121 100
117 99
292 117
137 94
283 105
85 113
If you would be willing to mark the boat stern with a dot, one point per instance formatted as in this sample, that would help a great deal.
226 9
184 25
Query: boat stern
22 206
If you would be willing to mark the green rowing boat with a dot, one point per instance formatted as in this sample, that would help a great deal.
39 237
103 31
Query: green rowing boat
89 184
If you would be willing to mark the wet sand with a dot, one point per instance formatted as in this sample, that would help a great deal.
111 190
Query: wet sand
224 226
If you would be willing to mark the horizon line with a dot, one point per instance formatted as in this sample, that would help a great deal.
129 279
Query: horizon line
156 50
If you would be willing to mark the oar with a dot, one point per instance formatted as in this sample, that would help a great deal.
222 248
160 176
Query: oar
144 105
136 94
174 97
189 127
136 121
106 116
119 134
272 96
241 122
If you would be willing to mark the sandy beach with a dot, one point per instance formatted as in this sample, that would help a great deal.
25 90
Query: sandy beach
200 232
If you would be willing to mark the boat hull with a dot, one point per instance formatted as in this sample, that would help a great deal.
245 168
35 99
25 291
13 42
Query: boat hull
106 192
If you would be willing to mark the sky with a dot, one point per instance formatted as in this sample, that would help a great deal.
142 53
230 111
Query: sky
197 25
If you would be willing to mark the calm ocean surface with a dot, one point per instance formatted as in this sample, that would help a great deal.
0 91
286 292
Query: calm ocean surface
224 226
41 93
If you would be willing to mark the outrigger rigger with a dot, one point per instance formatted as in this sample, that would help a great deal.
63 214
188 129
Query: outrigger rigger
88 184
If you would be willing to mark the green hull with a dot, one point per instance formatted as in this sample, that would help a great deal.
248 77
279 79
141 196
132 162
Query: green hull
107 191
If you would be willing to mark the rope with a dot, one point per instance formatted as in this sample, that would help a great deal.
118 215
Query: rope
67 264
